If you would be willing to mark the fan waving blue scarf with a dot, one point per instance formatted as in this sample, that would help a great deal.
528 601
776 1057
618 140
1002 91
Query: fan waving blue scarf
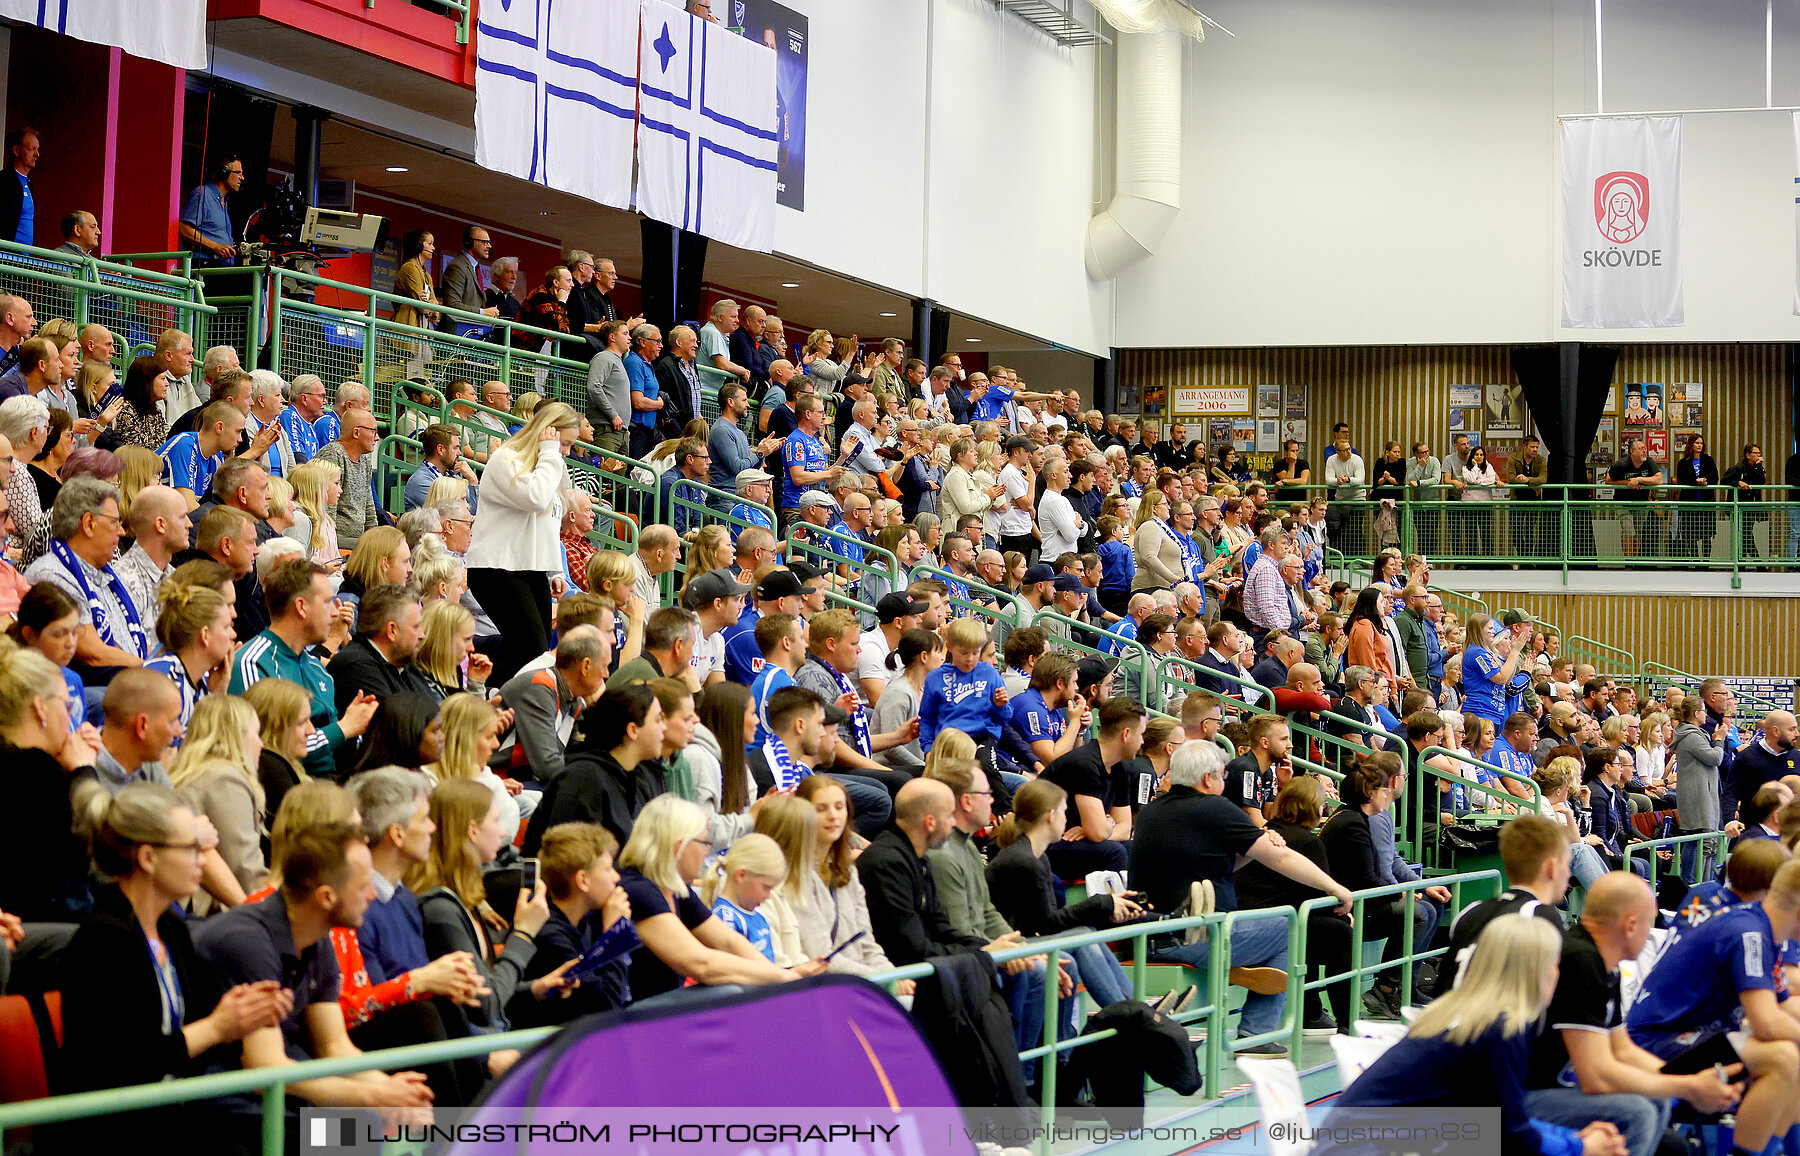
108 631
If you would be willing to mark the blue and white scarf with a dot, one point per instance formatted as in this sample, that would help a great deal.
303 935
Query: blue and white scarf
781 765
140 642
859 718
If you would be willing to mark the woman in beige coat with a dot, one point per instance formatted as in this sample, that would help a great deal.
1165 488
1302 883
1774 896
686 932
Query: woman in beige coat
1159 564
961 494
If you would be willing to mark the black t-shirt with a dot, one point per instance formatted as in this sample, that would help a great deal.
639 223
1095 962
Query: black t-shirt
1185 836
1247 784
1082 772
1468 926
1133 782
254 942
1291 491
1623 470
1586 1000
649 974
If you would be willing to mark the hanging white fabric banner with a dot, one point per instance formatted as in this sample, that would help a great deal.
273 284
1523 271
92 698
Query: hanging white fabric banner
1622 223
556 94
707 153
172 31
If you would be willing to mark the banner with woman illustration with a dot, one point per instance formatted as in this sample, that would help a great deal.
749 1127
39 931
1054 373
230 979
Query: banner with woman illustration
1621 186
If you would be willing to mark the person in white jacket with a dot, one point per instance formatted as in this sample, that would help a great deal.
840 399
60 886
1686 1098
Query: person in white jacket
515 558
1056 515
1345 476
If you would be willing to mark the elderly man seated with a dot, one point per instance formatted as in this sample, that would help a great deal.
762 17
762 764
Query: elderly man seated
84 537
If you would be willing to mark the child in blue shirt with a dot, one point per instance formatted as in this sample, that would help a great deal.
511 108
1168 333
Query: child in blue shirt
1117 566
750 873
965 693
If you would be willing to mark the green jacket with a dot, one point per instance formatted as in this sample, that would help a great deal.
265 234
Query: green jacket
267 656
1412 625
960 872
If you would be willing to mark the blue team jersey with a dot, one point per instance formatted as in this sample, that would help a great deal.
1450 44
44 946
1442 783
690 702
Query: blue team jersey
1482 697
767 681
991 404
1035 718
1694 983
1704 899
746 512
327 428
185 467
300 432
752 925
743 658
1117 565
806 451
952 699
1114 640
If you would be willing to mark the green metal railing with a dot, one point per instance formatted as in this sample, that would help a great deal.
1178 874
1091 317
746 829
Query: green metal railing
135 304
1656 674
272 1083
1605 658
1713 845
819 552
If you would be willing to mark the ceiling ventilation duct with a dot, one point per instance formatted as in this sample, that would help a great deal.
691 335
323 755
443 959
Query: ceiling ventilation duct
1147 185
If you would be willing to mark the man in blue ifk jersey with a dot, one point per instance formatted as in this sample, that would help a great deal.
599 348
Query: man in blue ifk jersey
1722 972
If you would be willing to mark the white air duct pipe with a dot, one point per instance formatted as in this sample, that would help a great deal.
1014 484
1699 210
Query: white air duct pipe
1147 188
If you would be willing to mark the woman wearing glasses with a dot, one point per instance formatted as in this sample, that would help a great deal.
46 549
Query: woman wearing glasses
137 1006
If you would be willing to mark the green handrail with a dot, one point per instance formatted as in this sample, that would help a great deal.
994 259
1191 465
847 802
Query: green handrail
272 1082
98 266
1669 676
1719 843
1583 646
1256 690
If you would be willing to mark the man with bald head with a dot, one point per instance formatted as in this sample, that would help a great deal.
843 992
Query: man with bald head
750 348
904 911
97 343
1283 653
1585 1067
1768 758
160 525
17 322
142 717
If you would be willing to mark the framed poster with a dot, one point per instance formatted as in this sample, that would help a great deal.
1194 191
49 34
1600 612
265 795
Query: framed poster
1195 400
1154 396
1461 420
1296 403
1294 429
1656 444
1605 448
1693 413
1505 410
1268 435
1643 404
1612 399
1127 400
1218 431
1465 395
1268 401
1243 434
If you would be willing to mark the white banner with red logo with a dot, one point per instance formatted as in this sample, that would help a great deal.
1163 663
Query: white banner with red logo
1622 223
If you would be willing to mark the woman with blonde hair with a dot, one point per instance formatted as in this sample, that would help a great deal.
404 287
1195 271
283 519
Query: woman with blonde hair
453 901
284 718
317 487
611 575
281 505
709 549
447 639
94 381
142 468
516 543
526 404
446 490
951 745
380 558
794 826
833 905
440 578
1153 543
469 737
43 867
683 939
194 627
216 772
1470 1046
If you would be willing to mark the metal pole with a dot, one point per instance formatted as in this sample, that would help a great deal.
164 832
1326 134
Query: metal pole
1599 62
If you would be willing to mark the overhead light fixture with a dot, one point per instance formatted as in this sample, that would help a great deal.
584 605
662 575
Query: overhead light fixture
396 168
790 284
971 339
890 315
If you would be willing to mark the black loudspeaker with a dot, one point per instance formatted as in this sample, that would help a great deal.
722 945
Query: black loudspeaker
674 270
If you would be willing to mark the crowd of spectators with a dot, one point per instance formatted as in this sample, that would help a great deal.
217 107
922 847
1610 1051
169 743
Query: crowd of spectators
940 642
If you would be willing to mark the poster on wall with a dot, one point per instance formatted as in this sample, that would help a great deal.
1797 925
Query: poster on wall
1678 437
1463 421
781 28
1218 431
1153 400
1656 444
1643 404
1268 434
1268 401
1602 453
1195 400
1499 453
1612 398
1294 430
1505 410
1243 434
1693 413
1127 399
1465 395
1296 404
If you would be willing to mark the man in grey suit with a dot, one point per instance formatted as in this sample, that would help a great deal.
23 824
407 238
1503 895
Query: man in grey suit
460 286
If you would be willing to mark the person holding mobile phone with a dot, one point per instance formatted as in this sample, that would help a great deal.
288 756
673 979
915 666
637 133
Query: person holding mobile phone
575 864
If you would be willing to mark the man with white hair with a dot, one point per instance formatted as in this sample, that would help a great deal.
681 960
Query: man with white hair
270 554
1193 834
299 419
329 426
715 342
85 529
266 389
159 523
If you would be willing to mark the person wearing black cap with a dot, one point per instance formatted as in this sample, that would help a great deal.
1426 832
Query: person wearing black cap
895 614
814 582
718 599
1093 679
1070 601
1015 520
778 593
